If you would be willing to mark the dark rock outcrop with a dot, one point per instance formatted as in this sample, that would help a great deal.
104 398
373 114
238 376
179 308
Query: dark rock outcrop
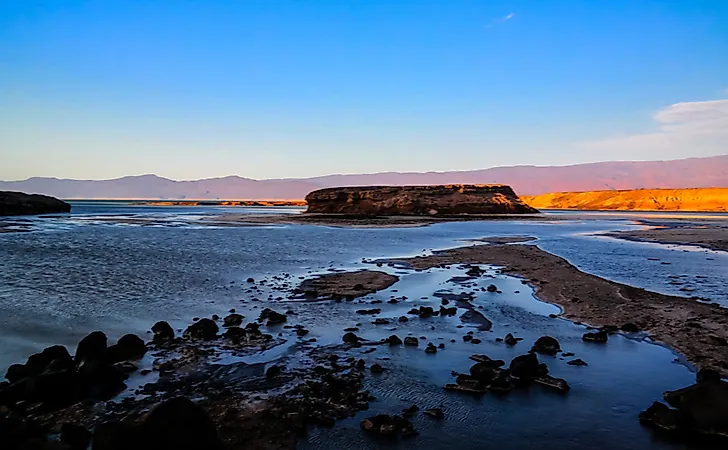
546 345
178 423
19 203
204 329
701 408
418 200
163 331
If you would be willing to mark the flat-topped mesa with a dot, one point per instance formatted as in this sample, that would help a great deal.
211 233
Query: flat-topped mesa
19 203
441 200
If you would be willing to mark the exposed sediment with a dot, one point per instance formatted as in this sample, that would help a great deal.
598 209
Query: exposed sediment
440 200
697 330
711 237
19 203
697 199
347 284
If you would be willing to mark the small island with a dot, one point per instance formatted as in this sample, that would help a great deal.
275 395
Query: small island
435 200
21 204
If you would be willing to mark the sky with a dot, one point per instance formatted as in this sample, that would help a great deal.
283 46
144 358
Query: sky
295 88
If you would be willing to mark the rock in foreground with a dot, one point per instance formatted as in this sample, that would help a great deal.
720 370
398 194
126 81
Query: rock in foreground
18 204
417 200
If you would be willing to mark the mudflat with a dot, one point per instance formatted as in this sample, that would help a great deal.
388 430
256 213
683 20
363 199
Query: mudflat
709 236
697 330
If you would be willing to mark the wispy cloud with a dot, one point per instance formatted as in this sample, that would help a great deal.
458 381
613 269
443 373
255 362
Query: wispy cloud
687 128
501 20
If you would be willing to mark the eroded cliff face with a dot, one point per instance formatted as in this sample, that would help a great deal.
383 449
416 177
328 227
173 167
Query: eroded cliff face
417 200
18 203
699 199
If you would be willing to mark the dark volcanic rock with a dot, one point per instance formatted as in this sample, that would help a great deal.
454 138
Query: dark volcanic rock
350 338
91 347
128 347
272 317
598 336
630 328
411 341
18 203
417 200
175 424
510 340
394 340
577 362
162 332
233 320
527 367
546 345
204 329
53 358
75 436
701 408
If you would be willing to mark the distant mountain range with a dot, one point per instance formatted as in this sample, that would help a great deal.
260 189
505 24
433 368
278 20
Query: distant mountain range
525 180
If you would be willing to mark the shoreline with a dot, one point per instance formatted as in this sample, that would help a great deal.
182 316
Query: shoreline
357 221
697 331
706 236
267 409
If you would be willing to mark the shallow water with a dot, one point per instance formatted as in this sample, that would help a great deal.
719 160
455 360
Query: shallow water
75 274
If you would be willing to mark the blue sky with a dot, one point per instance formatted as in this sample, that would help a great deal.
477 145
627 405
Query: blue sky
275 88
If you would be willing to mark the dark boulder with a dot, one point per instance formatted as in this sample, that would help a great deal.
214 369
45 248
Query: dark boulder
630 328
53 389
394 340
558 384
204 329
487 361
660 416
350 338
411 341
272 317
527 367
369 311
233 320
510 340
75 436
129 347
177 424
426 311
91 347
600 336
707 375
163 331
236 333
492 288
52 358
704 405
448 311
577 362
484 371
101 380
16 372
546 345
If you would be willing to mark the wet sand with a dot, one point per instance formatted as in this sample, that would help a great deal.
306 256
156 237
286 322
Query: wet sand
347 284
708 236
695 329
